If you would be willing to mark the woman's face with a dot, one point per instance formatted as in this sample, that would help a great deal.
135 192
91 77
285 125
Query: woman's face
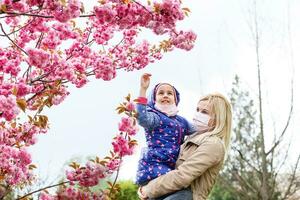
205 108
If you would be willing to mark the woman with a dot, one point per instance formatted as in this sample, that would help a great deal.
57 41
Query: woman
201 156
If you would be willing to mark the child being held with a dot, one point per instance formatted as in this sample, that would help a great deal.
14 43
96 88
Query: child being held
164 130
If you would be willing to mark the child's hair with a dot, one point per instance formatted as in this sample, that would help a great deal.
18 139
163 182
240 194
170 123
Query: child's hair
221 110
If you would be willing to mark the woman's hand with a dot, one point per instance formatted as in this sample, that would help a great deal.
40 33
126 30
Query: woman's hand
140 193
145 82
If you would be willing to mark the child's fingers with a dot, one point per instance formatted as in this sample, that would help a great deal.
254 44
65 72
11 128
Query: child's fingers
146 76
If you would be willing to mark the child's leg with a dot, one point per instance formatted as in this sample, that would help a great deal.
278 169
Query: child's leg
185 194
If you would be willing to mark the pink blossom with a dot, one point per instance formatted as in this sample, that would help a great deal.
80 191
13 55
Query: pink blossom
130 106
113 164
89 175
38 57
53 52
34 2
10 61
20 6
121 146
23 89
105 13
64 14
103 33
64 31
104 68
51 40
128 125
15 162
80 81
184 40
8 107
45 196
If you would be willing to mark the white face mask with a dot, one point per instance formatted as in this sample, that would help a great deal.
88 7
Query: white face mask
169 110
201 120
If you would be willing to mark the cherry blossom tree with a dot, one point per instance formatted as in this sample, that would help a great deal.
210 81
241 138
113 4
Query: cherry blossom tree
48 45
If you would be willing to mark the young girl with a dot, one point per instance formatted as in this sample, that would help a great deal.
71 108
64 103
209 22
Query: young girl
164 129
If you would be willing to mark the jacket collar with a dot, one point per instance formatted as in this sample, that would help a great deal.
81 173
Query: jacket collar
197 138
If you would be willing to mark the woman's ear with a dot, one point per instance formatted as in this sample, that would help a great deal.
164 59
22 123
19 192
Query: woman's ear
212 122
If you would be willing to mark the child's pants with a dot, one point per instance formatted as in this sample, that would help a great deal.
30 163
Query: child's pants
185 194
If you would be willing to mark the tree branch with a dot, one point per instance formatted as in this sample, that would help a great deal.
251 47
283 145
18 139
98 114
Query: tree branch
39 41
12 40
51 186
243 158
15 14
284 160
18 29
293 176
244 182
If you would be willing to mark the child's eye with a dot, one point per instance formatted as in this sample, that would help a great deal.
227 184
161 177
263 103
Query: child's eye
170 93
198 109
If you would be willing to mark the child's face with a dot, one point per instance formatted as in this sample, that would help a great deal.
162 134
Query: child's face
165 95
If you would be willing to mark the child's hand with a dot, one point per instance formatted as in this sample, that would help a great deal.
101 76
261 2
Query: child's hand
145 81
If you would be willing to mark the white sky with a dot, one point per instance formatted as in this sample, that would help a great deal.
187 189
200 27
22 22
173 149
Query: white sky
84 124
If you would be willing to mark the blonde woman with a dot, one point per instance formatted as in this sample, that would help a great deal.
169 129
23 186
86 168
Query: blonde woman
201 156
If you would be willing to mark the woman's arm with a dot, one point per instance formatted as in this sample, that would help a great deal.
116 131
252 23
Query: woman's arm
208 154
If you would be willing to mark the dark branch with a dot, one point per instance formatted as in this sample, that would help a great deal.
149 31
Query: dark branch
293 176
243 158
39 190
12 40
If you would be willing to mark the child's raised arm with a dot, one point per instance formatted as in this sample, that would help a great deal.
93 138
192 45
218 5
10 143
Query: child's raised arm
145 82
146 119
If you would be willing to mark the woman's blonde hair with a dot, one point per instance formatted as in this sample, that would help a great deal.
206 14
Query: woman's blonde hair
221 109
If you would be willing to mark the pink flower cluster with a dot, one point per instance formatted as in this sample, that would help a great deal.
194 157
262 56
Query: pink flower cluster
105 14
104 68
122 146
89 175
161 18
57 33
9 62
127 124
64 13
48 49
167 14
130 106
72 193
8 107
38 57
184 40
21 6
14 163
113 164
23 134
